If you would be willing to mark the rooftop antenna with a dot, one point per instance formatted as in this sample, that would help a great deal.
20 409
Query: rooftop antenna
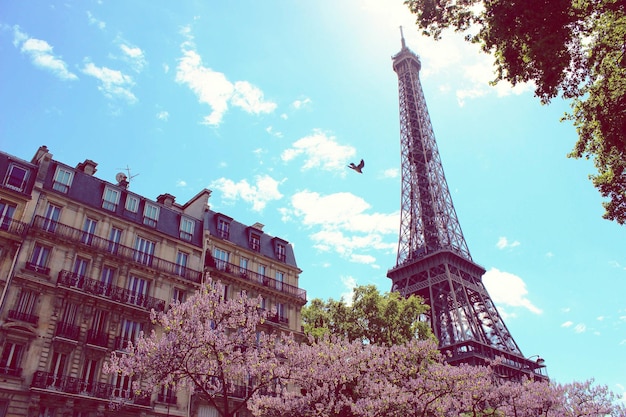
128 177
402 36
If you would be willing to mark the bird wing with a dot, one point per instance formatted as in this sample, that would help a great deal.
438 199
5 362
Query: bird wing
361 164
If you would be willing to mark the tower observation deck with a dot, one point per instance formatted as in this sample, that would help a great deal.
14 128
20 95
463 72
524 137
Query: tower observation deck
433 259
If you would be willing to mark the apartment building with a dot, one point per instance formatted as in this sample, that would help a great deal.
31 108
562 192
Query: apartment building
82 263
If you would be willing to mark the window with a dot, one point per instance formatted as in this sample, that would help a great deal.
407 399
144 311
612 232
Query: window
144 250
16 177
89 229
110 199
261 277
207 411
57 368
281 312
132 203
25 304
11 358
223 229
178 295
181 263
138 288
280 278
66 325
80 269
51 217
122 386
115 236
186 228
39 259
221 259
129 333
88 375
281 252
150 215
46 411
97 334
106 281
167 395
243 266
6 214
62 179
255 242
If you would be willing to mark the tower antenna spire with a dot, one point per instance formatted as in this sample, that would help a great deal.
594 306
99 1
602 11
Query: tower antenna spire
402 37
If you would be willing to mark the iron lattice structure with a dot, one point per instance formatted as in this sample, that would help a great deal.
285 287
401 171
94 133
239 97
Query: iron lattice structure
433 259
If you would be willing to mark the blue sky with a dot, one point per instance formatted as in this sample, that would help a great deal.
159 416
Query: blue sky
266 102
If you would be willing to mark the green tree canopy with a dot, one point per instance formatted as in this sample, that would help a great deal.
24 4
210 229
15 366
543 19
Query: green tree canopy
572 48
372 317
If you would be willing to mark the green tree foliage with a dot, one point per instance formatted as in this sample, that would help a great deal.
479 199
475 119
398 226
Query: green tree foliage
372 317
572 48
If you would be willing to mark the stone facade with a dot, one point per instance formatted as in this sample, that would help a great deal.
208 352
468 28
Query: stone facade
82 263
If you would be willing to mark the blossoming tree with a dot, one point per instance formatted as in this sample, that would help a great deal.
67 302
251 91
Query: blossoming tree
211 346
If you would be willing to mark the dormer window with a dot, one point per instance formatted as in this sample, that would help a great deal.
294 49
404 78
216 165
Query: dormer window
110 199
223 229
150 215
63 180
223 226
132 203
186 228
16 177
255 242
280 249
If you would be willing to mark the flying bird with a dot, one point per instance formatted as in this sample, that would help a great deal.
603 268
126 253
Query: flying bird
357 168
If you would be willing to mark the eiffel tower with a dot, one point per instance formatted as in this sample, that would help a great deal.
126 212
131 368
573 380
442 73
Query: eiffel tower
433 259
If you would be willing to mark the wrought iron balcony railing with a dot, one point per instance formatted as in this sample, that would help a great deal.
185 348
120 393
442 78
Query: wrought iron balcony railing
112 292
22 316
97 338
11 371
260 279
73 385
67 331
126 253
13 227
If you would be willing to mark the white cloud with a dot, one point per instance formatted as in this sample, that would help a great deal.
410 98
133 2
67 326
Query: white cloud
567 324
93 21
341 224
41 54
163 115
300 104
508 289
259 194
275 133
503 243
320 151
391 173
113 83
580 328
350 284
134 56
181 183
214 89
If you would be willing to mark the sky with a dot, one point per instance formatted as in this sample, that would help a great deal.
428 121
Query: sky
265 103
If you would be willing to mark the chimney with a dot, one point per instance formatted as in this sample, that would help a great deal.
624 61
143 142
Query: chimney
258 226
88 167
166 199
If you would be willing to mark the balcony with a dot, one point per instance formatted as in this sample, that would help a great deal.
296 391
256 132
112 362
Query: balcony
85 239
259 279
110 292
97 338
67 331
73 385
22 316
38 268
13 227
10 371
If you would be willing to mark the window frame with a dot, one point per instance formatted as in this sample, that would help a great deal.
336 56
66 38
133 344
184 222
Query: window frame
62 184
132 203
8 179
7 211
151 214
187 227
108 204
